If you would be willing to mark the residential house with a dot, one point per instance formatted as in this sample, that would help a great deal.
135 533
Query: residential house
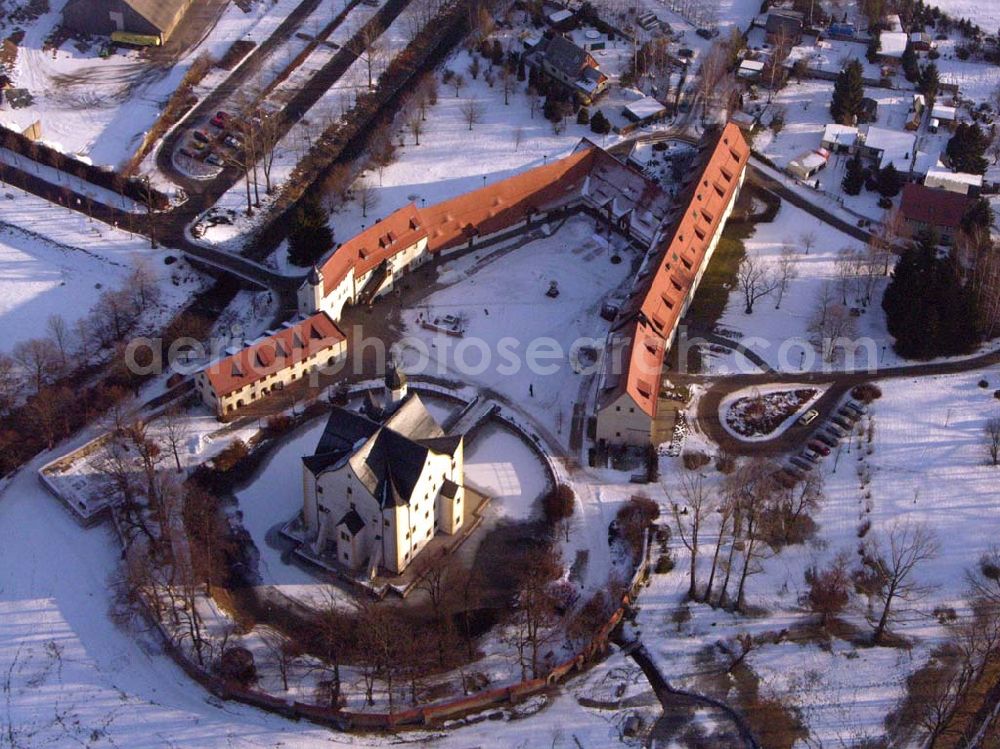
376 493
921 41
884 147
644 111
153 18
839 138
926 208
784 27
750 70
571 65
960 182
892 45
809 164
271 363
943 116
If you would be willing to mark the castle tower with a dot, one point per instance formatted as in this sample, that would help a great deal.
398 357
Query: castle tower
395 386
311 293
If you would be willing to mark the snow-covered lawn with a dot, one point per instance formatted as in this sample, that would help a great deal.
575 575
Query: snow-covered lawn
927 465
502 298
55 261
982 12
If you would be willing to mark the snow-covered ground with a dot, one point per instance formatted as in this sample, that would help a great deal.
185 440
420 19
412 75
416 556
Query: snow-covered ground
101 108
927 465
983 12
507 316
54 261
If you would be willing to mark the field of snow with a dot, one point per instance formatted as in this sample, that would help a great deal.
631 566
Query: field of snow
56 261
986 13
502 296
927 465
101 108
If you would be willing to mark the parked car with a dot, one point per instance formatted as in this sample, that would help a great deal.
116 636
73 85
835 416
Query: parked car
220 120
819 447
201 135
232 141
185 151
840 421
801 462
827 439
809 416
858 408
707 33
811 455
197 145
836 430
851 416
214 159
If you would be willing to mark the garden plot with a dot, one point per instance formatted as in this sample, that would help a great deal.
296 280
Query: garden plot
764 413
509 321
54 261
926 464
100 108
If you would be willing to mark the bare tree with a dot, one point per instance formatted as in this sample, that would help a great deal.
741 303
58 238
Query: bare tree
518 136
370 50
38 360
535 610
725 511
176 429
754 489
416 126
284 652
887 572
366 196
756 280
808 240
9 382
508 83
829 588
60 335
697 505
472 112
787 270
831 324
457 83
992 433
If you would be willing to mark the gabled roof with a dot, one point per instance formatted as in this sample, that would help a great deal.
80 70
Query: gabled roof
387 458
564 55
160 13
927 205
284 349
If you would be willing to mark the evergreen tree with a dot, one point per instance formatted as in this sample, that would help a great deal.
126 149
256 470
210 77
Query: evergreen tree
521 74
848 91
310 234
911 69
979 215
583 116
889 181
928 309
599 123
854 176
966 149
929 83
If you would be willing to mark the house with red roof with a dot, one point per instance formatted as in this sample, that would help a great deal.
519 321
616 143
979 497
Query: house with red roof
628 405
250 373
929 209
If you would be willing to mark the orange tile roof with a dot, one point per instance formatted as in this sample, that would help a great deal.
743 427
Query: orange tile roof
494 207
661 292
284 349
364 251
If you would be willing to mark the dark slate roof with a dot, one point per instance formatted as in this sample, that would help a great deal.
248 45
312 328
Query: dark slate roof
387 459
565 56
395 378
449 488
353 522
442 445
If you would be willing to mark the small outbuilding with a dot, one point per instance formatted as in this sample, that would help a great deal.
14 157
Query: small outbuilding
150 18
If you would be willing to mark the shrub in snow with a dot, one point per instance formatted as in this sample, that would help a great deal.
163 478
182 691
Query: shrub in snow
984 384
866 392
695 459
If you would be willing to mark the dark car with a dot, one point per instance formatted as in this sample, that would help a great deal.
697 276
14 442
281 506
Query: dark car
200 135
820 447
220 120
843 423
185 151
800 462
847 413
856 407
827 439
707 33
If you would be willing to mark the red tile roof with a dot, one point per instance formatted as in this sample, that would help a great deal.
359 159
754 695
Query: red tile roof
284 349
927 205
660 294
